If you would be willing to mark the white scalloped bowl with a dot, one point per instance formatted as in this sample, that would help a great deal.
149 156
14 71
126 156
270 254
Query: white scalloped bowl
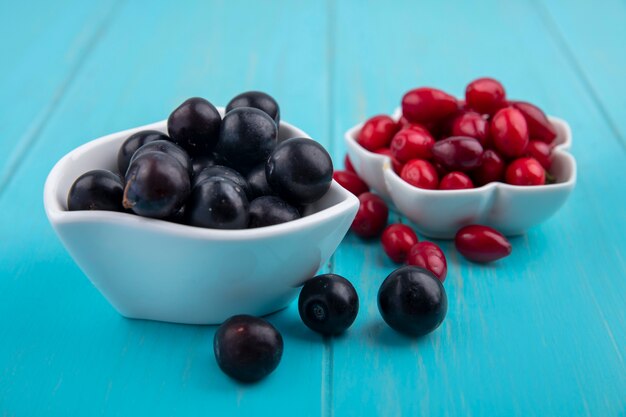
440 213
153 269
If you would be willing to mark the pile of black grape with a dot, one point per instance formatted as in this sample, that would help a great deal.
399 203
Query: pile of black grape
213 172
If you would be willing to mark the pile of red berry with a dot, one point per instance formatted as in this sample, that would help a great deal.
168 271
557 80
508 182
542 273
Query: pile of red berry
443 143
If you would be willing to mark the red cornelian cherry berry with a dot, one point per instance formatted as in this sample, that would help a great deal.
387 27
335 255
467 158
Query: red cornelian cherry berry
371 217
455 181
404 122
458 153
509 132
395 164
541 151
413 142
525 171
471 124
539 127
424 105
491 168
351 182
429 256
397 239
348 164
485 95
481 243
421 174
377 132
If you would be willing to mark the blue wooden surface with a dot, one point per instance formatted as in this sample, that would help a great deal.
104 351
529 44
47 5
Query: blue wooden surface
541 333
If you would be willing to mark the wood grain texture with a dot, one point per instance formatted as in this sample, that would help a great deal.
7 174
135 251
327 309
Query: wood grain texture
44 46
598 60
540 333
70 353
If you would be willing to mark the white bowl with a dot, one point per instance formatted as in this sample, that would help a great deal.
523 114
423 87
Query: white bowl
440 213
153 269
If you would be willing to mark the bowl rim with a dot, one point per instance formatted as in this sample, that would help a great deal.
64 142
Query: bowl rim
561 150
58 215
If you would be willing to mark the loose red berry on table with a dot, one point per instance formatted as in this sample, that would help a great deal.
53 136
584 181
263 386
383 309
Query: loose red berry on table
539 127
471 124
491 168
395 164
421 174
541 151
347 163
429 256
509 132
397 239
413 142
371 217
458 153
455 181
481 243
525 171
485 95
424 105
377 132
351 182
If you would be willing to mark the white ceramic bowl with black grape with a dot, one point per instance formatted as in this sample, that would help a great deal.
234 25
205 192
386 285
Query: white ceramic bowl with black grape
211 213
507 167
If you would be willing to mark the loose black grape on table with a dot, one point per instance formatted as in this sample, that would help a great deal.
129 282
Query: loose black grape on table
247 348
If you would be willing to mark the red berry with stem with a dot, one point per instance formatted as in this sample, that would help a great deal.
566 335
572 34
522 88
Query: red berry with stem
424 105
371 217
455 181
491 168
397 239
351 182
481 243
541 151
421 174
377 132
509 132
485 95
429 256
539 127
413 142
525 171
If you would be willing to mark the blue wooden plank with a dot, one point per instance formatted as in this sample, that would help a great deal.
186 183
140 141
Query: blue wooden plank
598 59
540 333
65 351
43 45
